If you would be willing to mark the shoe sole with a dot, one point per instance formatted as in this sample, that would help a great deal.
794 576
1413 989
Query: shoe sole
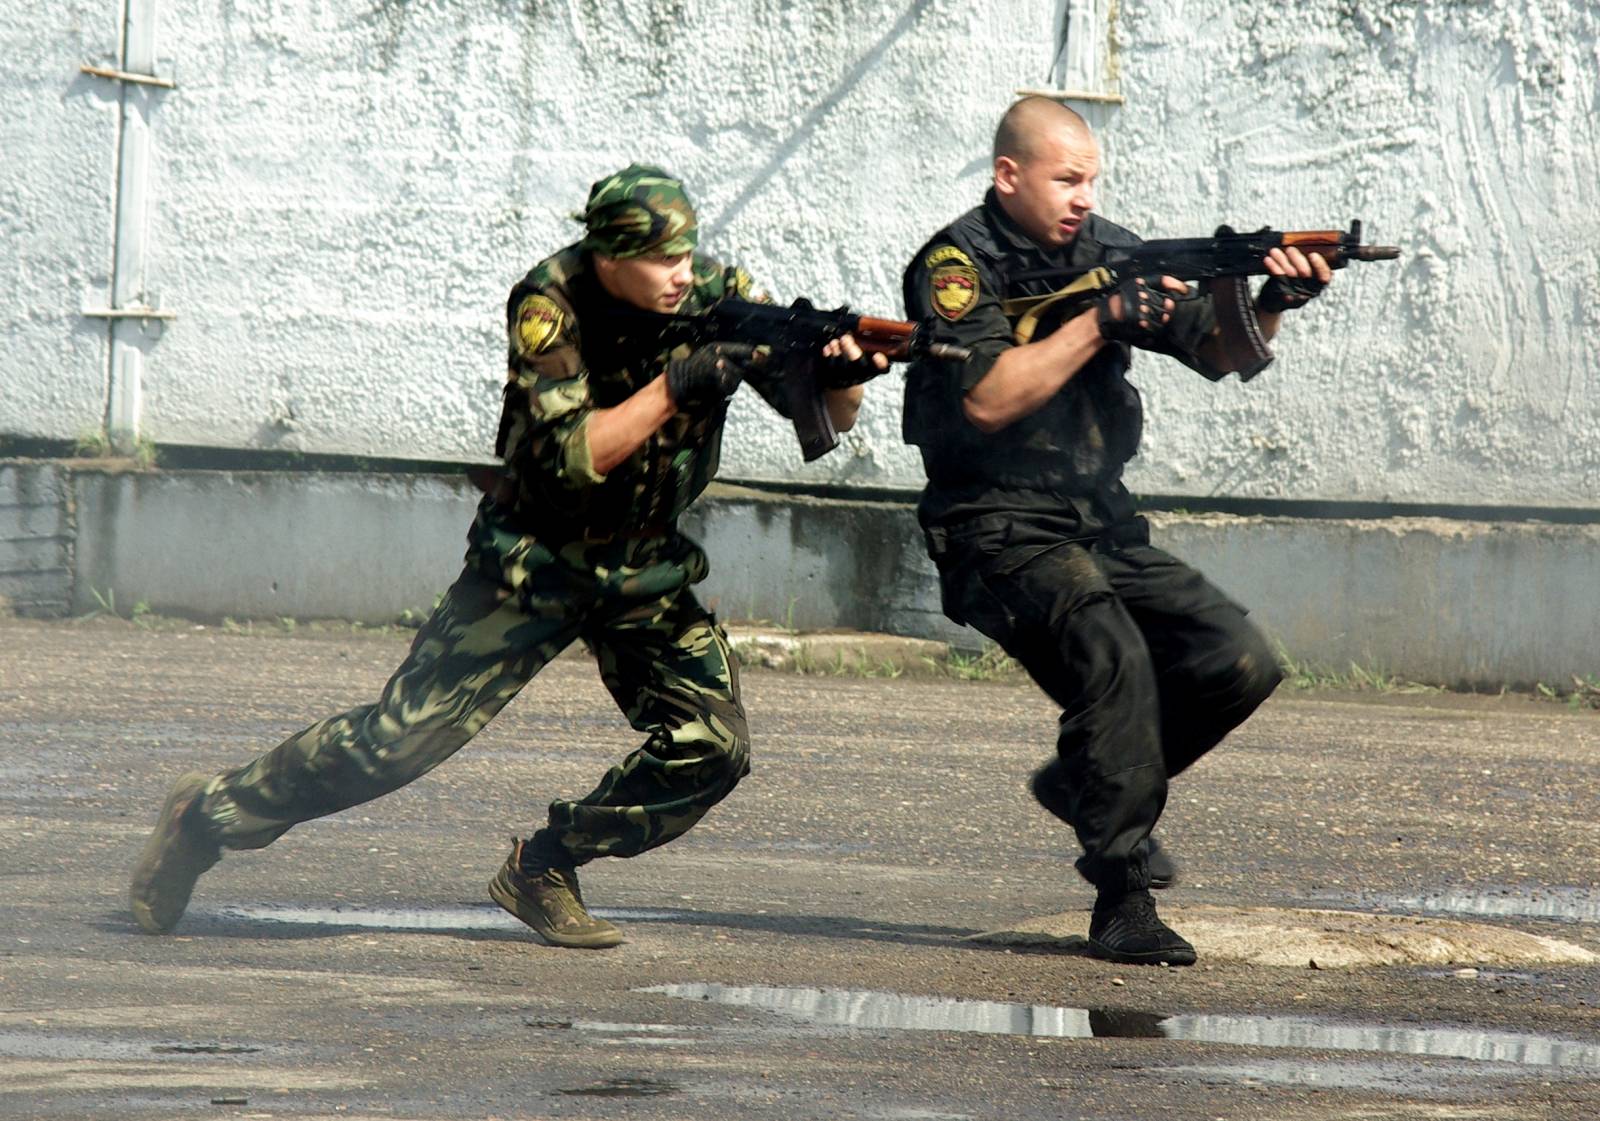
500 891
184 791
1106 953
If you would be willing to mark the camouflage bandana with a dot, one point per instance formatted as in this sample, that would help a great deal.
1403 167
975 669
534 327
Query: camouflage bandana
639 210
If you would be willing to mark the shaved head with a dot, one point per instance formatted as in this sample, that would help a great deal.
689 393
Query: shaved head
1046 163
1017 136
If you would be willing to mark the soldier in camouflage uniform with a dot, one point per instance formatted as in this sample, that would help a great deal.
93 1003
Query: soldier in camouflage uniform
607 436
1036 538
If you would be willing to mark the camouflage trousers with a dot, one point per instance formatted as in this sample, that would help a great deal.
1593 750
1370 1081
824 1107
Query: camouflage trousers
517 604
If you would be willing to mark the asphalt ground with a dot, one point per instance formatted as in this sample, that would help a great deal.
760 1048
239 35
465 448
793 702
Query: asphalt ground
357 969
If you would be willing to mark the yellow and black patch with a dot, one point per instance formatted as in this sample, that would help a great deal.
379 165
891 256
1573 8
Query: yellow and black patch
953 285
538 324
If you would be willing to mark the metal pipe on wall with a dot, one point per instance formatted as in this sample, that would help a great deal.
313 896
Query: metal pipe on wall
130 336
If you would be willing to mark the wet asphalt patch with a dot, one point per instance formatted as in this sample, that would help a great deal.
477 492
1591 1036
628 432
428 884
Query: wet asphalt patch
465 919
856 1008
622 1088
52 1045
1397 1079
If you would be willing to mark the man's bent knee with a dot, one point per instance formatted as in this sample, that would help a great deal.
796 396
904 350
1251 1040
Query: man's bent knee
1253 674
719 745
1237 678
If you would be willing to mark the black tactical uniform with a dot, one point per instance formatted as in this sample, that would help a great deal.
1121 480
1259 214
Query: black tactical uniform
1039 547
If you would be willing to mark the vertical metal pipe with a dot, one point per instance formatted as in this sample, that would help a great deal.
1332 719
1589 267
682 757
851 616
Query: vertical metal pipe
1062 23
1079 56
128 336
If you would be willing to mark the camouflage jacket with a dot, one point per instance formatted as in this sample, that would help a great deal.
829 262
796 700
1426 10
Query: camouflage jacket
568 357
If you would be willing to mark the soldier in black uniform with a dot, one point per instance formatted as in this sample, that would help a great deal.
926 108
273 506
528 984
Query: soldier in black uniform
1036 539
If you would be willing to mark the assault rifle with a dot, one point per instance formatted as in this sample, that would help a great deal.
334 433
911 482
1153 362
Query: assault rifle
797 334
1224 262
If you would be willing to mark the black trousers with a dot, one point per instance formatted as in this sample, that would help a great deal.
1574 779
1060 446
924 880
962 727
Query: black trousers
1152 666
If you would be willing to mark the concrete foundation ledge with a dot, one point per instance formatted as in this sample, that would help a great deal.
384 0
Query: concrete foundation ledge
1475 603
845 653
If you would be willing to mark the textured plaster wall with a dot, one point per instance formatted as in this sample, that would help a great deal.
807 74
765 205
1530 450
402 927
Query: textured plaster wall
58 144
1468 134
344 191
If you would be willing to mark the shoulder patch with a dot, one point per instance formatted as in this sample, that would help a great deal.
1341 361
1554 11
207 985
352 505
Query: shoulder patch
953 285
538 323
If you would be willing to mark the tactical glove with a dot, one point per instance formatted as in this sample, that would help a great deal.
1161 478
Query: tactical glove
1141 316
842 373
1285 293
709 375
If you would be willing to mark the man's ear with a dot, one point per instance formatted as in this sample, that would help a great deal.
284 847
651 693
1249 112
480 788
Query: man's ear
1006 173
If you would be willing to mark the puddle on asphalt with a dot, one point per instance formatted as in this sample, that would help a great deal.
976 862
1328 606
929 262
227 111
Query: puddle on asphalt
486 917
49 1045
642 1035
622 1088
866 1009
1570 903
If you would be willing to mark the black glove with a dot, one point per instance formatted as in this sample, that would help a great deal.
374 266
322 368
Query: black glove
1142 317
709 375
1285 293
842 373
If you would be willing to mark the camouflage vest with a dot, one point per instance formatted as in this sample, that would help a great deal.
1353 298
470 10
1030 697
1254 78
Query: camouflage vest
569 354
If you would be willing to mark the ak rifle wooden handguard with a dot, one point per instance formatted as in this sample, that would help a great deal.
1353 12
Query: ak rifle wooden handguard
900 340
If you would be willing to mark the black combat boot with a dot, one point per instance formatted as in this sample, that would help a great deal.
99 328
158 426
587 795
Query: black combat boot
1126 928
547 897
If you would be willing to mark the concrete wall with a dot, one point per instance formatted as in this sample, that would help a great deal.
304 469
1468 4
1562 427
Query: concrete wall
36 536
1429 599
263 544
341 194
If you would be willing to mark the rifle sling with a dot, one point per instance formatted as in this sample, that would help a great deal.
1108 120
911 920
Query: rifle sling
1032 307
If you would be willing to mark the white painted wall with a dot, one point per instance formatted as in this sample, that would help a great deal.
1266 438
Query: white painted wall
343 192
58 145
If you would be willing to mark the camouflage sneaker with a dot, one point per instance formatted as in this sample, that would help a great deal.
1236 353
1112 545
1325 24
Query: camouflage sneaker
177 852
1126 928
550 901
